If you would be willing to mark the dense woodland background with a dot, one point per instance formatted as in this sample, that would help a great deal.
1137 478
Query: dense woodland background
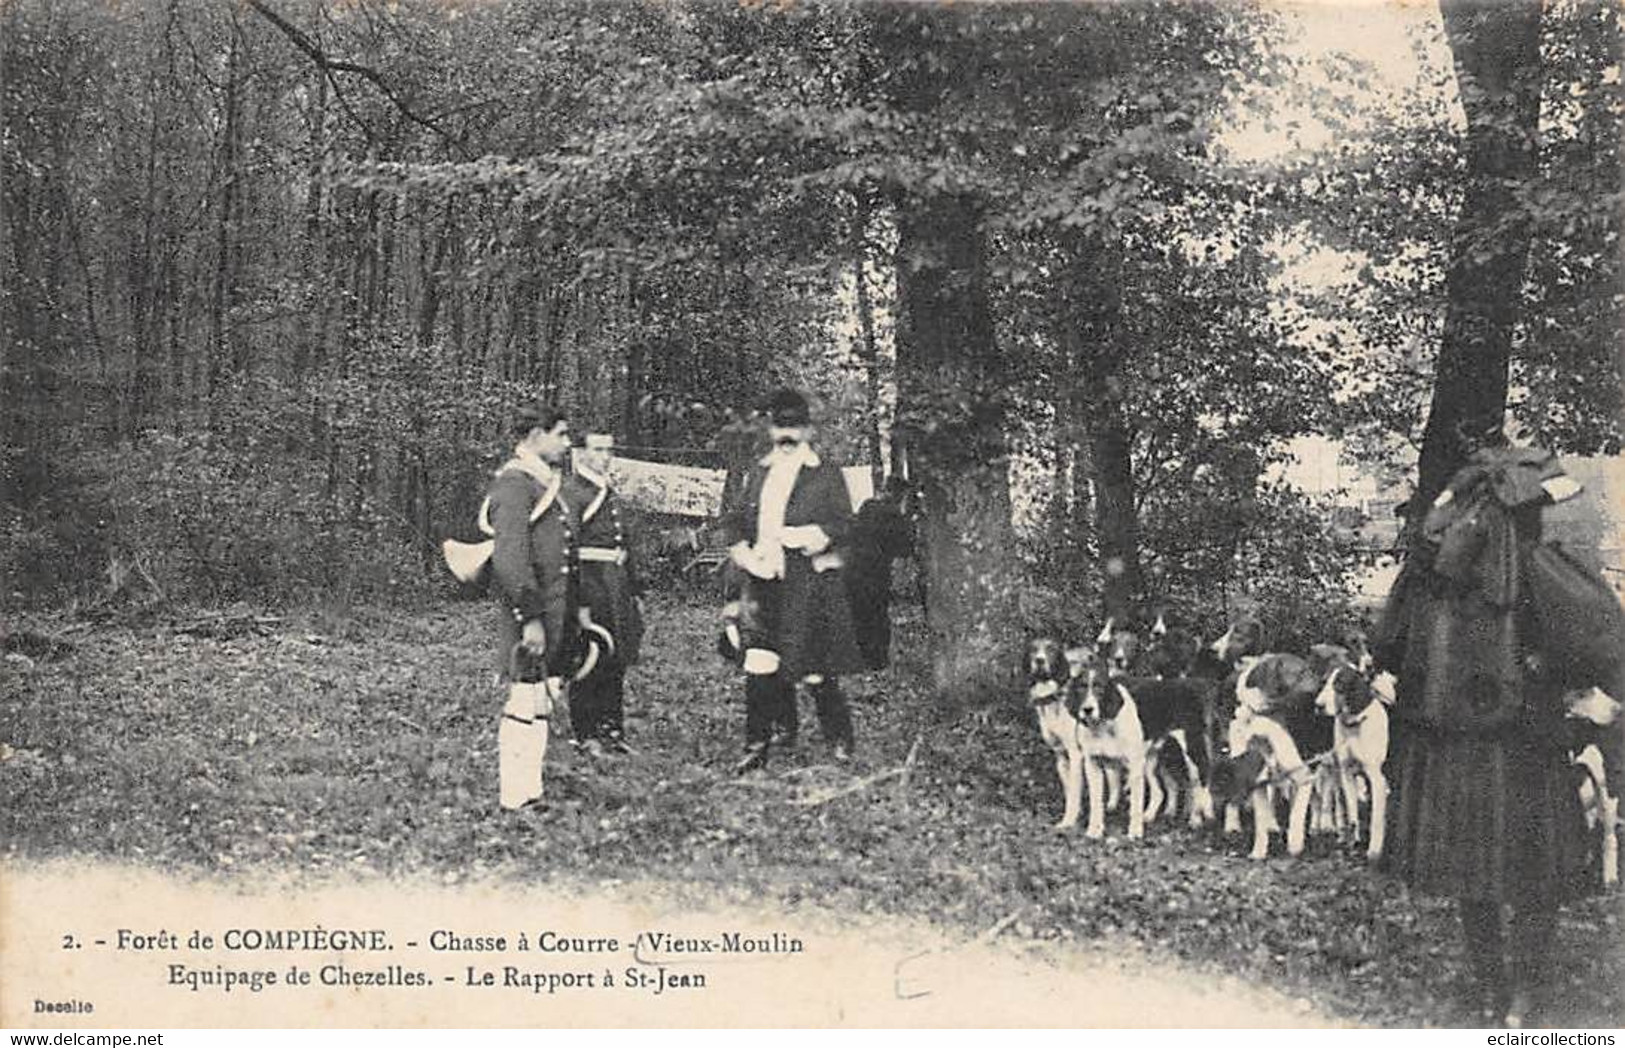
275 270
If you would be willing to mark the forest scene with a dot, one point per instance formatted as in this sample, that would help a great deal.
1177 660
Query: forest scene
1088 277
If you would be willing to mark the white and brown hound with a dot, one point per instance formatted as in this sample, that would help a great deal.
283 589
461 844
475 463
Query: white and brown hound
1271 718
1592 716
1089 727
1109 734
1048 674
1119 647
1172 718
1359 711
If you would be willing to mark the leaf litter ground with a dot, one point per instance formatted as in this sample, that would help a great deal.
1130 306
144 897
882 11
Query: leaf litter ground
370 752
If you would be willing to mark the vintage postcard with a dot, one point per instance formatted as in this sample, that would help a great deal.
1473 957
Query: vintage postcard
840 514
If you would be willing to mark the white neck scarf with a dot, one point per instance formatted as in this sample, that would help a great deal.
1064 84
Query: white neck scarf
783 466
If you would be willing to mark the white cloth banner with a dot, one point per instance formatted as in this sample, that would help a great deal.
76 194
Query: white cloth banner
689 491
695 491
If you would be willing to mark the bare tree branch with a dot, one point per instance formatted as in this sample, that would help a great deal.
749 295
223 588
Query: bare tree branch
329 65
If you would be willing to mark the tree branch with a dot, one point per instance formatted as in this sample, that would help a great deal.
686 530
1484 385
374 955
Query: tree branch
328 65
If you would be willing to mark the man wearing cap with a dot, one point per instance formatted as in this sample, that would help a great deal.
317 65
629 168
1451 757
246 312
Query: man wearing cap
609 597
533 559
787 531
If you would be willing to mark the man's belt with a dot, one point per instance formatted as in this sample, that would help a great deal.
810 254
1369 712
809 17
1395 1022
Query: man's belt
603 554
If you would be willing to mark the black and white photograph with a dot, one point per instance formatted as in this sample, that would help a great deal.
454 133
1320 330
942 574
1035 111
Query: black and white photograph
812 514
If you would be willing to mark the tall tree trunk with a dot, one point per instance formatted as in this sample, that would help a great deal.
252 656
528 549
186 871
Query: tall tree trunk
632 389
143 276
429 307
868 350
310 327
224 289
1094 355
950 371
1117 527
1496 47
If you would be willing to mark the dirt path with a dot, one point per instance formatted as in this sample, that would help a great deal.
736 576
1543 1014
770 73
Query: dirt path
849 971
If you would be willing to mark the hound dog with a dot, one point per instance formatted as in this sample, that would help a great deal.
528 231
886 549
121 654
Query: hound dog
1243 639
1174 708
1172 652
1359 711
1109 733
1212 671
1048 675
1172 718
1271 717
1221 661
1119 646
1593 716
1116 648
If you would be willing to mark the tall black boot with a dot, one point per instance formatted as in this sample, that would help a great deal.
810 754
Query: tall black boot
1533 928
1481 926
761 704
584 700
611 713
786 715
834 717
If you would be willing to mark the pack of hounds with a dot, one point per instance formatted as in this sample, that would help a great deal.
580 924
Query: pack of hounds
1227 726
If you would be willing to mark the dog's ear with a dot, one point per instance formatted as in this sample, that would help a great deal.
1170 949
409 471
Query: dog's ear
1274 676
1247 638
1354 693
1322 657
1111 701
1301 677
1261 675
1107 631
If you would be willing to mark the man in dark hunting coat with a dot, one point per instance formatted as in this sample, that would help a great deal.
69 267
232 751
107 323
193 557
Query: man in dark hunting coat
609 597
789 532
533 559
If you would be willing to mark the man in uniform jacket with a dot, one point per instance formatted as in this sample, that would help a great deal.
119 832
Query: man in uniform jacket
788 533
609 597
533 560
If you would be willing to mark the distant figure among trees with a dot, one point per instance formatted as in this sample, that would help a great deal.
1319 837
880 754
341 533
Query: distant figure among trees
880 535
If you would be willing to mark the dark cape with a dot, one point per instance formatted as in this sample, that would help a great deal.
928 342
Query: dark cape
1487 629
